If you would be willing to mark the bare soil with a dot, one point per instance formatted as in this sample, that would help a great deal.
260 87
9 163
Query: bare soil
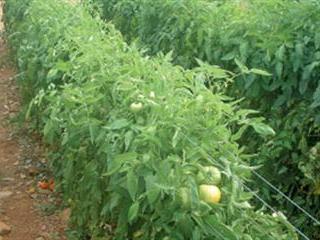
30 212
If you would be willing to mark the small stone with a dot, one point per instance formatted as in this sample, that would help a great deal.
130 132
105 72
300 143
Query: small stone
28 161
5 194
38 238
23 176
29 182
4 229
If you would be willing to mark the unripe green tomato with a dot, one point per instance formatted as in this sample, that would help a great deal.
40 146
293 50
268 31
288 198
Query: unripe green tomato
184 198
152 94
209 193
136 107
210 175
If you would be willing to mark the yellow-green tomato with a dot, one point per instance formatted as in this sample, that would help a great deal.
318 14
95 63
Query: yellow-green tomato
210 175
136 107
209 193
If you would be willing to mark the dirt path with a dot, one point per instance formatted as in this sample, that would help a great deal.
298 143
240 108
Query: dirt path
22 206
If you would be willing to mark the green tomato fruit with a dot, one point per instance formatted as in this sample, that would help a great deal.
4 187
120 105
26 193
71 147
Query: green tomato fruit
184 198
136 107
152 95
210 175
209 193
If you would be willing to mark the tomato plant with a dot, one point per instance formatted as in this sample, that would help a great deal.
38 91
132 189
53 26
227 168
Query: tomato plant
128 134
276 35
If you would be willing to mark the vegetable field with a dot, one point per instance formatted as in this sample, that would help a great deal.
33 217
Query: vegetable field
170 120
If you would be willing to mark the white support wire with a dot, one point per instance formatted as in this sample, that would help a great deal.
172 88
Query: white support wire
273 210
261 199
317 222
286 197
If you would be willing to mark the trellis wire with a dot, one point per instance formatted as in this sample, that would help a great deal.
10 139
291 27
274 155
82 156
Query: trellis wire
261 199
285 196
273 210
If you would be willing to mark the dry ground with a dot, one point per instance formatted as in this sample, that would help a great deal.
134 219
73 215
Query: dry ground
22 205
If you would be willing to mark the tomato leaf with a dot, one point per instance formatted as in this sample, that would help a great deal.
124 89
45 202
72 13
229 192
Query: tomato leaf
133 212
260 72
218 228
132 184
263 129
153 190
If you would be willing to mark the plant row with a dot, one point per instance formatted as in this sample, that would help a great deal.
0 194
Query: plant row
279 36
140 149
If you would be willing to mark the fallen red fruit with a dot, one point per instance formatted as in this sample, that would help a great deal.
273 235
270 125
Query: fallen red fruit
43 185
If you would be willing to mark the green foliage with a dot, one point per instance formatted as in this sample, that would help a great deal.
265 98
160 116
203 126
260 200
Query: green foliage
126 132
279 36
